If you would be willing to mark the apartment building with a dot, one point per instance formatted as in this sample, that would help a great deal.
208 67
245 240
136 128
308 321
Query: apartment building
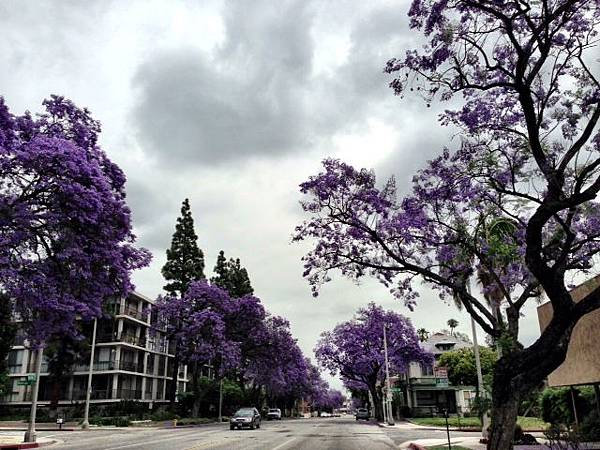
426 388
132 361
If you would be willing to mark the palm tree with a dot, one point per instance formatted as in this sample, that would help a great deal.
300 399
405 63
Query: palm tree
452 324
423 334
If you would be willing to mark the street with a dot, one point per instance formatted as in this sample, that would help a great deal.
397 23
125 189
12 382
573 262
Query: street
303 434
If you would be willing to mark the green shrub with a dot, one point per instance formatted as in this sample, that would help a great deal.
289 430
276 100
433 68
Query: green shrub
590 427
162 415
110 421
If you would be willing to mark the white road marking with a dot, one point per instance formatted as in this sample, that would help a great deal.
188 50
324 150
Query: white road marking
172 438
284 444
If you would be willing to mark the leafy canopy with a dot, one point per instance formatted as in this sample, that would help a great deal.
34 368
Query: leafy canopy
65 229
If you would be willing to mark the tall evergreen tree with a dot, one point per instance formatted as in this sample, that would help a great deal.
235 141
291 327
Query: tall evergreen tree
185 264
185 260
221 271
231 276
239 280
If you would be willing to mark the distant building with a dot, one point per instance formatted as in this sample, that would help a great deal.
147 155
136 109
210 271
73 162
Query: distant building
426 388
131 362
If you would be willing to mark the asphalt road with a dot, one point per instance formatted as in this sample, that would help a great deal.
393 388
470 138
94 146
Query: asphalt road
302 434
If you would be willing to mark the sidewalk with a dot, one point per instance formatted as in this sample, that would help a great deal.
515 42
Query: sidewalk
473 443
19 425
12 440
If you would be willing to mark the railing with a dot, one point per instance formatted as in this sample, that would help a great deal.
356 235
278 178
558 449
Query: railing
130 366
98 366
103 394
15 368
134 312
133 339
423 381
111 365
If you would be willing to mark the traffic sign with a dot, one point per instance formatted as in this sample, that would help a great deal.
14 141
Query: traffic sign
24 383
32 378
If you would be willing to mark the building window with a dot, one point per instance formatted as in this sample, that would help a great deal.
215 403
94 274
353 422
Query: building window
427 370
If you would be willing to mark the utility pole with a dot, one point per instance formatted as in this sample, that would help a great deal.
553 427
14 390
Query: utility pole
390 417
86 423
30 434
485 419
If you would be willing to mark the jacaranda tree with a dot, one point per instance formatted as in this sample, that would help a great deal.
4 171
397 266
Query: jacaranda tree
354 349
197 323
65 230
528 154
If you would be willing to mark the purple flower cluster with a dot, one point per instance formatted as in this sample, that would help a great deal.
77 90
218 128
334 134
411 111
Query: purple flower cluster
65 230
239 337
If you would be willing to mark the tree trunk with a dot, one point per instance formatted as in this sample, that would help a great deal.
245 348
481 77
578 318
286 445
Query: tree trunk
504 420
195 390
377 400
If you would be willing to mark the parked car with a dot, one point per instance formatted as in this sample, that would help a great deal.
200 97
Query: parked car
274 414
325 414
245 417
362 413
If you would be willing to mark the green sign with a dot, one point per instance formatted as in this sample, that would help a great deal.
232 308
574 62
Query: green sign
24 383
396 389
32 378
441 382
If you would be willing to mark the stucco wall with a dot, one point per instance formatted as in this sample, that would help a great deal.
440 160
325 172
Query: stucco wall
582 365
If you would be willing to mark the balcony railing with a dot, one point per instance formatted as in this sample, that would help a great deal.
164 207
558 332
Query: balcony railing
15 368
133 339
125 337
134 312
423 381
111 365
96 394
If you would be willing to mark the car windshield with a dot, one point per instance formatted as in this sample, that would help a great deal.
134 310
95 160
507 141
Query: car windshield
362 410
244 413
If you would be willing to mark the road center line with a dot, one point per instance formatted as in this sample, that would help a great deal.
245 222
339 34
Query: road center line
284 444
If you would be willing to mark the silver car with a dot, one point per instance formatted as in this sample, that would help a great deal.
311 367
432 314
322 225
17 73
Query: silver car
245 417
274 414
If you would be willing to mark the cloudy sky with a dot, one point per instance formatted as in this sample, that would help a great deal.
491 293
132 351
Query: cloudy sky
233 104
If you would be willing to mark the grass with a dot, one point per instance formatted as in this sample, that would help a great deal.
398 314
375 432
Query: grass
527 423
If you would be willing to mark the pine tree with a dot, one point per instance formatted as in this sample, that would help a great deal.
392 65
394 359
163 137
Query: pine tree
239 280
222 272
185 264
231 276
185 260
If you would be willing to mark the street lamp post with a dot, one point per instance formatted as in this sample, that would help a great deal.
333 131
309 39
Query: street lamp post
86 423
30 434
390 417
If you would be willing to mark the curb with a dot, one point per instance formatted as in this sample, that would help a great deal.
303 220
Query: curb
18 446
37 429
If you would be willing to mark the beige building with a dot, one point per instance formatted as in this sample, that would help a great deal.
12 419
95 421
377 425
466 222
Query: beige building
131 362
582 364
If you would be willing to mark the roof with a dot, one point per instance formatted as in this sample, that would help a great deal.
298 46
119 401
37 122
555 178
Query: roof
444 339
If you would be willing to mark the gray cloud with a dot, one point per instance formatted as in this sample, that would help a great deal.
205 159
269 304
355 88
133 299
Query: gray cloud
246 99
